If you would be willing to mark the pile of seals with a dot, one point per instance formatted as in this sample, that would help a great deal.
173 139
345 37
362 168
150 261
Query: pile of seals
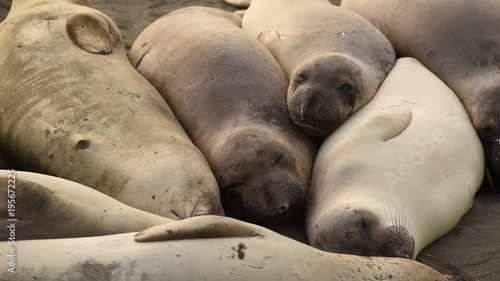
297 107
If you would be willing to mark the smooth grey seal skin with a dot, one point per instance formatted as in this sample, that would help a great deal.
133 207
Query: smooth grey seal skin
72 106
397 175
334 59
229 94
459 41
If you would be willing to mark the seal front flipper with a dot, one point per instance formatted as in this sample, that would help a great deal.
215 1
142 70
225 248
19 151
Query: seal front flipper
271 39
200 228
238 3
92 33
387 124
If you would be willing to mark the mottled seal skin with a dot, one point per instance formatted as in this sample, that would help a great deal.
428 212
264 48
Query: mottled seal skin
458 40
397 175
47 207
72 106
229 94
334 59
218 246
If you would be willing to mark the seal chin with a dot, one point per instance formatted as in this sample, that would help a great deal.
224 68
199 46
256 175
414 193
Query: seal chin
265 201
360 232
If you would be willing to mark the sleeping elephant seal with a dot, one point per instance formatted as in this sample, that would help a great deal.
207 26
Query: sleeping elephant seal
72 106
48 207
221 248
334 59
461 47
397 175
229 94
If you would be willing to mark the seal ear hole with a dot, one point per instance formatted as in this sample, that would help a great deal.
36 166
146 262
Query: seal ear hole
83 144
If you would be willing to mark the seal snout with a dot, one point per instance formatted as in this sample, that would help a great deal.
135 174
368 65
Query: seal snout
361 232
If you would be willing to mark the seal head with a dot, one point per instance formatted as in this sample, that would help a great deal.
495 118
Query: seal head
323 93
259 177
358 231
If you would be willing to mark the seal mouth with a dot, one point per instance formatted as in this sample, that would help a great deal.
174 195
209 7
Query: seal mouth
316 131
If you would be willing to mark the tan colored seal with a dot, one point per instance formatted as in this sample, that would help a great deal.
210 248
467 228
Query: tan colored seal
73 107
397 175
334 59
229 94
459 41
47 207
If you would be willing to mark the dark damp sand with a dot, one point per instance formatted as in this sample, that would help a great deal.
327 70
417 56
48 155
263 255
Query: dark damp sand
471 251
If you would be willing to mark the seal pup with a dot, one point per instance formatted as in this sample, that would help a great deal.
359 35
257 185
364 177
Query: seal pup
237 250
47 207
334 59
397 175
461 47
73 107
229 94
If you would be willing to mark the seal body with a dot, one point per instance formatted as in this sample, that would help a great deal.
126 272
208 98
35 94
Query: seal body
47 207
397 175
73 107
461 47
241 255
334 59
229 94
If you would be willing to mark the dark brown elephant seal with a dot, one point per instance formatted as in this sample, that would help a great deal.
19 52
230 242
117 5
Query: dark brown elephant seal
72 106
229 94
334 59
458 40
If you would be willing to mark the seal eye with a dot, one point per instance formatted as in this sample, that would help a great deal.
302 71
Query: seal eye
404 254
278 160
346 88
301 78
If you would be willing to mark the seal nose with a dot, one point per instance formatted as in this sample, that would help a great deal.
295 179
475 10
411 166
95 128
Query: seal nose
310 104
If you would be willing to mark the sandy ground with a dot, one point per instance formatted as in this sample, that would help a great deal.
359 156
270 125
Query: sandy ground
471 251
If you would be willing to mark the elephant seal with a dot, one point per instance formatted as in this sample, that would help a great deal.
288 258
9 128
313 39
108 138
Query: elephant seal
73 107
240 251
229 94
397 175
334 59
47 207
461 47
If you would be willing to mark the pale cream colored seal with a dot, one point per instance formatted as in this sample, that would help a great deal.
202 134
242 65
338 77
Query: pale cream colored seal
208 248
397 175
459 41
